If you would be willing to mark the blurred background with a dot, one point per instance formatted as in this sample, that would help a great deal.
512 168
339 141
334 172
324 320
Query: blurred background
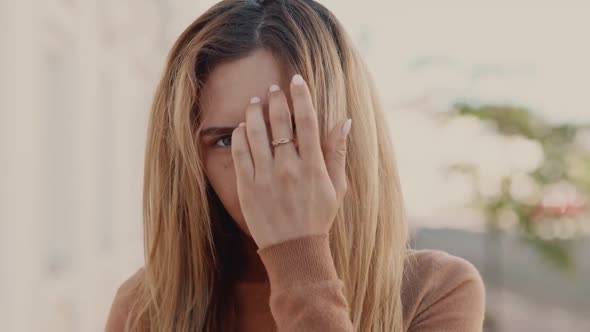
488 102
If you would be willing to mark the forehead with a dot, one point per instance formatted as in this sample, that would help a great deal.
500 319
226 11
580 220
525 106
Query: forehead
230 86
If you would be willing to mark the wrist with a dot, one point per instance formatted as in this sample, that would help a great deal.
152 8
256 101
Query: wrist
299 261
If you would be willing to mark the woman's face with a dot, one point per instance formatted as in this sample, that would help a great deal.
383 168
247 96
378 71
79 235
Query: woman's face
225 96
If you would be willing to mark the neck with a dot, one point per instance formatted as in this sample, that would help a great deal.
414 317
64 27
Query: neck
251 268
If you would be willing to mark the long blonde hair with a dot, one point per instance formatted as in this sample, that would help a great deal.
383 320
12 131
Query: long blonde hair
184 281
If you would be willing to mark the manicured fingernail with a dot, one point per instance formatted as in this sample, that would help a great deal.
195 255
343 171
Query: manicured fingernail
242 124
254 100
274 88
346 127
297 79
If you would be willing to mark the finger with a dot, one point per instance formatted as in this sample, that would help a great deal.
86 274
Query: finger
257 135
240 151
336 157
306 122
280 122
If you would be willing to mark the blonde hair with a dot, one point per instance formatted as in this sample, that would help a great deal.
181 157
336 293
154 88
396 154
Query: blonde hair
183 284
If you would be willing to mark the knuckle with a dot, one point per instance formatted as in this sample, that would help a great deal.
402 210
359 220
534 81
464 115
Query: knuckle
308 119
240 153
251 109
313 171
280 113
340 153
256 131
287 173
263 182
343 189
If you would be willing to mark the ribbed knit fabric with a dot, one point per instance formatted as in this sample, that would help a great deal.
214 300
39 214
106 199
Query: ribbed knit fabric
306 293
440 292
299 262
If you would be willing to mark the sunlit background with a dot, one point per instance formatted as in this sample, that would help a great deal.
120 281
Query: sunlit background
488 103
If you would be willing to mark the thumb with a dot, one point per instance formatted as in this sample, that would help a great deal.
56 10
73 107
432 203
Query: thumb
335 157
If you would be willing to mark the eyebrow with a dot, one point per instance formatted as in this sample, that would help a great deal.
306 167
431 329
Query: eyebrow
214 131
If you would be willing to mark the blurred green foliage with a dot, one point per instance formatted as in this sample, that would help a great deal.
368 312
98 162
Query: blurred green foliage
564 160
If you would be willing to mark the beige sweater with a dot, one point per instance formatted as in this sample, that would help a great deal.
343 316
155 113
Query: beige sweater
440 292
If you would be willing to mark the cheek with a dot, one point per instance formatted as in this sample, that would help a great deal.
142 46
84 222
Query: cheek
220 172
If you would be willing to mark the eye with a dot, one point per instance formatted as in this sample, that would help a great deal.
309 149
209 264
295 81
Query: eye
227 139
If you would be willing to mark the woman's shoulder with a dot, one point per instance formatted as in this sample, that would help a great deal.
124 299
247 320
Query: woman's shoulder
124 296
431 263
442 289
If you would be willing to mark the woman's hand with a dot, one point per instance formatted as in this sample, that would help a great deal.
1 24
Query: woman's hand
296 192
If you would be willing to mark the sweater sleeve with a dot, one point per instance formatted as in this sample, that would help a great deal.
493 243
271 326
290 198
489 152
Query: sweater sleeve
122 302
306 293
453 296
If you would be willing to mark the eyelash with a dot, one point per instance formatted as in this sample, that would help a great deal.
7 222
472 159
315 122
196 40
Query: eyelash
219 139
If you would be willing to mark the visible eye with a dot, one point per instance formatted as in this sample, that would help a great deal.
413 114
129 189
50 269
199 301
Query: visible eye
227 139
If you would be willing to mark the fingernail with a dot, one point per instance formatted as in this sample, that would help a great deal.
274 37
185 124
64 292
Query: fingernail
297 79
242 124
274 88
346 127
254 100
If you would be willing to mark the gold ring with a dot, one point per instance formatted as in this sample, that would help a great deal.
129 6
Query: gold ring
281 141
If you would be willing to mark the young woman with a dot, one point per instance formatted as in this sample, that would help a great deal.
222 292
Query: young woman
263 210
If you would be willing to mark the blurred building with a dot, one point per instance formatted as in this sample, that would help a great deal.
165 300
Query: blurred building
76 82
